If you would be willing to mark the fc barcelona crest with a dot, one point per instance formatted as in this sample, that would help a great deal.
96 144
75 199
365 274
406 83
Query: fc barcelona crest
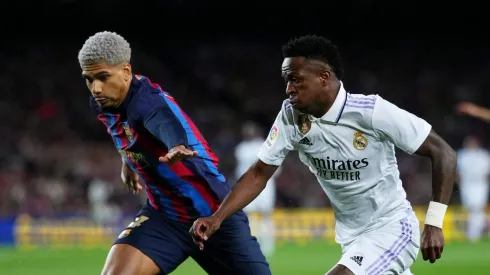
360 141
128 133
304 124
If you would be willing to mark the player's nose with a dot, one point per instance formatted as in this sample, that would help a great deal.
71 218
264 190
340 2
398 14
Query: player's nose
290 89
96 88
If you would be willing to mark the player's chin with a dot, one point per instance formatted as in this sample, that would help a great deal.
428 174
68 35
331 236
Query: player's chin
104 104
300 107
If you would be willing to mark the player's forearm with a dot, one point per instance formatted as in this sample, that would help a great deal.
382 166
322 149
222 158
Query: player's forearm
444 160
246 189
443 173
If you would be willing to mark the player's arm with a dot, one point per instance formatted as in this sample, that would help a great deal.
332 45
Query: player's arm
130 177
250 184
414 135
271 155
444 160
164 125
474 110
162 122
247 188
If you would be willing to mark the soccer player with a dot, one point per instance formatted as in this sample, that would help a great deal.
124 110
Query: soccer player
160 144
474 171
348 141
246 154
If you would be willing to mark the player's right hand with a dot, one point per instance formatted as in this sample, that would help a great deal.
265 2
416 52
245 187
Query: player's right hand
130 179
203 228
177 154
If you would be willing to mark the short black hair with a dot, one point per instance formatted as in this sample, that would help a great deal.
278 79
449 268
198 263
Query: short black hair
315 47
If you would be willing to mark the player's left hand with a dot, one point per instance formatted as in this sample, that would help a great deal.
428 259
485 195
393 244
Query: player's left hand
432 243
177 154
203 228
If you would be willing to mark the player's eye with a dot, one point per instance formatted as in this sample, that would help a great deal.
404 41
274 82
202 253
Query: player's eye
293 79
103 77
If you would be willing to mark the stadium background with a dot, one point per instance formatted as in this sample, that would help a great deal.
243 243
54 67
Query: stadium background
223 68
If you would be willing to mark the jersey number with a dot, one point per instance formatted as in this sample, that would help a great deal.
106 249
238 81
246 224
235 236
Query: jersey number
137 222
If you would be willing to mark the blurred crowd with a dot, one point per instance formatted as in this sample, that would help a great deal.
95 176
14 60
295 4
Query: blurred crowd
56 158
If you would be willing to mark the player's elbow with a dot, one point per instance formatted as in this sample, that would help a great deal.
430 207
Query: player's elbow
445 153
438 150
453 156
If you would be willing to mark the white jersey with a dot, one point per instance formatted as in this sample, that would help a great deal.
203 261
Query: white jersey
246 155
473 166
473 170
351 150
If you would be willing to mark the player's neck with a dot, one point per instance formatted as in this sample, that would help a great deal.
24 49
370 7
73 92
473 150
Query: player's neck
124 94
330 97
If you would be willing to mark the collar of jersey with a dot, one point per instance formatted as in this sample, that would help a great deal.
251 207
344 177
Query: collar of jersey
334 113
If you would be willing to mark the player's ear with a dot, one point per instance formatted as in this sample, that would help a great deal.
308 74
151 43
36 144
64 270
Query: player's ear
325 77
127 71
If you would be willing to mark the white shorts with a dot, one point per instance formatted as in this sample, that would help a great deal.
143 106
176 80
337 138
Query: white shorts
391 249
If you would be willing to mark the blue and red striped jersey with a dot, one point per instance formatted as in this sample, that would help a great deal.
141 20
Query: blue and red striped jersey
147 124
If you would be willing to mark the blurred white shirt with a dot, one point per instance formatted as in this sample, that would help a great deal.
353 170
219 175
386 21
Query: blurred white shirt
246 154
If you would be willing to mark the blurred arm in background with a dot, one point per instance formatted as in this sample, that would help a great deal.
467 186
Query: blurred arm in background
473 110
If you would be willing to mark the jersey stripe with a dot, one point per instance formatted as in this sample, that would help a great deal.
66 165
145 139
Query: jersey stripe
194 137
361 102
182 179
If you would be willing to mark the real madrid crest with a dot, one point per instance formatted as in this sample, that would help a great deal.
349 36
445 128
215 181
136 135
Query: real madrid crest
128 133
360 141
304 124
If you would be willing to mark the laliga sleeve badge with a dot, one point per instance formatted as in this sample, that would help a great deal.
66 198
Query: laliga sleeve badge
272 137
360 141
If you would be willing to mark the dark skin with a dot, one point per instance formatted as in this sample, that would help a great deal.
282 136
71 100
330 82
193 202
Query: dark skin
312 88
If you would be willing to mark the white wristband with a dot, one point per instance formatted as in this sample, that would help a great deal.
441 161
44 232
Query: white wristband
435 214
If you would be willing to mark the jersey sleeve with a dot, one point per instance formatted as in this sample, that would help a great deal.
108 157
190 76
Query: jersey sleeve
405 130
279 141
162 119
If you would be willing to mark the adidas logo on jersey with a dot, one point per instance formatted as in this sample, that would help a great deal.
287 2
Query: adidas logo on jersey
357 259
306 141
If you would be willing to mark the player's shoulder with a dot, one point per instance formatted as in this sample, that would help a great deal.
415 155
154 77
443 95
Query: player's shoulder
360 102
358 108
361 109
146 97
145 92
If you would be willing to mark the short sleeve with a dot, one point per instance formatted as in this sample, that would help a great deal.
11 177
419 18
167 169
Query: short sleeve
163 118
278 142
405 130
